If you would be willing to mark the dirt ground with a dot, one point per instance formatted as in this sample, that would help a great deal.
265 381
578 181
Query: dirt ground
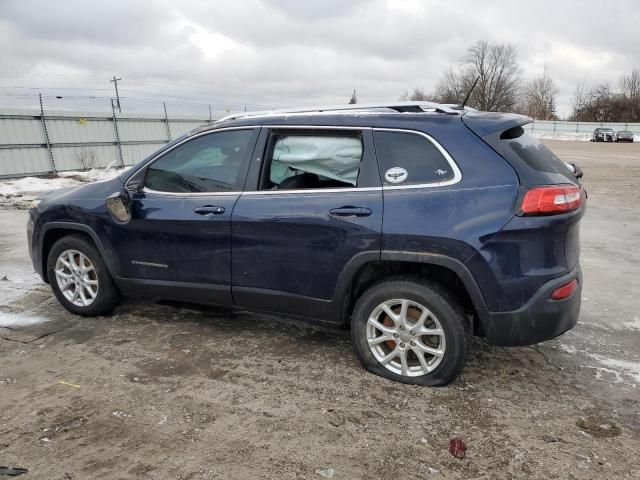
158 392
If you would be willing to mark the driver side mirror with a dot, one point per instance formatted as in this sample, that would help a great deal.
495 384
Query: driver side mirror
118 205
136 181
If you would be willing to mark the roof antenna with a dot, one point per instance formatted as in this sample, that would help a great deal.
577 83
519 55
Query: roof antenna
466 99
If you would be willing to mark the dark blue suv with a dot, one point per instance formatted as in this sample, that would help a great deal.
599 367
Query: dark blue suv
417 224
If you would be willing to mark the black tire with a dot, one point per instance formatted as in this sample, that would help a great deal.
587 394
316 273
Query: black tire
435 298
108 295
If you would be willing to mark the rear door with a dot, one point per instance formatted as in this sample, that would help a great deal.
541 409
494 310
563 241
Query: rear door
313 202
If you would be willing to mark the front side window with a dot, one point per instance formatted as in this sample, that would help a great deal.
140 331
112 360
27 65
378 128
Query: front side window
410 159
300 161
209 163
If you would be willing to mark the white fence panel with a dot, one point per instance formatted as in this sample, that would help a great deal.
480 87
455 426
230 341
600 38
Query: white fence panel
80 130
181 127
15 162
21 131
548 129
78 140
132 154
85 157
134 130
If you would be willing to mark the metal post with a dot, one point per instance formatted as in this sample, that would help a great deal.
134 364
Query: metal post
117 132
210 116
166 119
115 84
46 136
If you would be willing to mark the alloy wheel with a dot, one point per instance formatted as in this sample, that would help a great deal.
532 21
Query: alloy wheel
76 277
405 337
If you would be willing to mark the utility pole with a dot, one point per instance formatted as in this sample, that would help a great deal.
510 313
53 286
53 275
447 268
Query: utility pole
115 84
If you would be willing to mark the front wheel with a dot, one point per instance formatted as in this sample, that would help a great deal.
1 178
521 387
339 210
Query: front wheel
410 331
79 277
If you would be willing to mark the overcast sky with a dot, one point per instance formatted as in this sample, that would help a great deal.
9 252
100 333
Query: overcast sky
266 53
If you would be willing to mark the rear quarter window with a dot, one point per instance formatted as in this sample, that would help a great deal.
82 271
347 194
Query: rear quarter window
420 158
528 155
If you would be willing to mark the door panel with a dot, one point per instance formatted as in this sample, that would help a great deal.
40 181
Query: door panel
292 243
167 239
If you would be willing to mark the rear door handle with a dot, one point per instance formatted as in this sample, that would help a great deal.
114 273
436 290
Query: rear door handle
209 210
350 212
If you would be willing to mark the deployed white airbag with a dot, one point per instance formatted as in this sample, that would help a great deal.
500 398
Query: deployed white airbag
336 157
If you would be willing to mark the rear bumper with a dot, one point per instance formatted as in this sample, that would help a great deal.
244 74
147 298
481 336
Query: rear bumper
539 319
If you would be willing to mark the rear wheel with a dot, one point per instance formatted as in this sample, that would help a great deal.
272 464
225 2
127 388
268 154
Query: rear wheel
79 277
410 331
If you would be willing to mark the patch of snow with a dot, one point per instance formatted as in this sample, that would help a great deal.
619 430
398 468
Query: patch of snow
633 325
326 473
34 185
575 137
95 174
600 370
38 185
570 349
20 320
630 368
619 368
120 414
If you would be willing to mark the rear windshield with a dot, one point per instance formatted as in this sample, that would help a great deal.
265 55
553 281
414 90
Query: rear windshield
526 153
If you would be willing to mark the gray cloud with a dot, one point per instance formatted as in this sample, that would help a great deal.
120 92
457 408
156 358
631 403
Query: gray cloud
287 52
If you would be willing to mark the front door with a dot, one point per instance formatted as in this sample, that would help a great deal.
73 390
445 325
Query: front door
179 236
316 203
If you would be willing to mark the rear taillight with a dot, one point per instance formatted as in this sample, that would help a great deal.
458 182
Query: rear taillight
565 291
550 200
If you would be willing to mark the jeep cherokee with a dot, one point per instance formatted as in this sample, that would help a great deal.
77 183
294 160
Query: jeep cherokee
416 224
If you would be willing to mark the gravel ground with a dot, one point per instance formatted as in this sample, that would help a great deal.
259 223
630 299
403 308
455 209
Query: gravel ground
161 392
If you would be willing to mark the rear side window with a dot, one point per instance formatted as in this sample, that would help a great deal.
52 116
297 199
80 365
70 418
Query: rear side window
313 161
410 159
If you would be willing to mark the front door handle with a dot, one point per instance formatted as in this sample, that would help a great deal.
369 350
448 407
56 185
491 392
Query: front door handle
209 210
350 212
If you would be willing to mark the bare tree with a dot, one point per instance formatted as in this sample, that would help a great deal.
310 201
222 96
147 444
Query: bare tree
630 90
579 98
418 95
354 99
452 88
540 97
630 85
601 104
499 84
